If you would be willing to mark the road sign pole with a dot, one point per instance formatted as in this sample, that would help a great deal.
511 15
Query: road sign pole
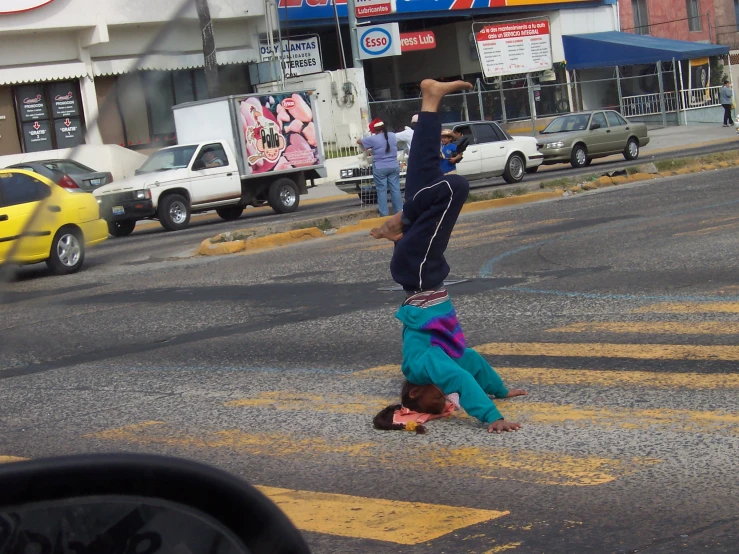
352 16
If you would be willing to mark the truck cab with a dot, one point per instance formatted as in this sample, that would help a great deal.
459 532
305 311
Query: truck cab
171 185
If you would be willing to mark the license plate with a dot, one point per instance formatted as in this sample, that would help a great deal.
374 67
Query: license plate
118 210
95 182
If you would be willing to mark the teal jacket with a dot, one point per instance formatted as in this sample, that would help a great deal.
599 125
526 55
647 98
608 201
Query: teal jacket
434 352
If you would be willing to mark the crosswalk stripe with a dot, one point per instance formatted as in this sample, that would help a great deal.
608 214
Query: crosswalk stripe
589 377
9 459
374 518
690 308
606 350
494 462
522 411
653 327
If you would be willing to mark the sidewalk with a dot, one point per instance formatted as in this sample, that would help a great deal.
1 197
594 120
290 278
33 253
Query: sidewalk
663 139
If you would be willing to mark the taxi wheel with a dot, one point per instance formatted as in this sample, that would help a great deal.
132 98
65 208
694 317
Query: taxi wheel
67 251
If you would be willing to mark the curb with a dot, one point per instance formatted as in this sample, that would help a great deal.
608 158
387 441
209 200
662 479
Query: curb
207 248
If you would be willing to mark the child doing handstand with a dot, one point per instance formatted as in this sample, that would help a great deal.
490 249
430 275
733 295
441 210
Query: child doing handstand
436 360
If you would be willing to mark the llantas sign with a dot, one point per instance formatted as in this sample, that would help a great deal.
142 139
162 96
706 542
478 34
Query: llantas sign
16 6
420 40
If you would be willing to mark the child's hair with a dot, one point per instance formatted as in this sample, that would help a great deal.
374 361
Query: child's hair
384 420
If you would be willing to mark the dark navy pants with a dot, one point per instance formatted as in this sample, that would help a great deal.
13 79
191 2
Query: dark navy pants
432 204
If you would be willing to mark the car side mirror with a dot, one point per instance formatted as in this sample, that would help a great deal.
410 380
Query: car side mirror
595 126
198 165
137 503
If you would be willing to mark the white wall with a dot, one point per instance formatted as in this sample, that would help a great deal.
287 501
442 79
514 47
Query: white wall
121 162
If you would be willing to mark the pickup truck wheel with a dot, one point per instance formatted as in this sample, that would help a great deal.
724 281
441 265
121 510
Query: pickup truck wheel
230 213
67 251
121 228
174 212
283 196
515 169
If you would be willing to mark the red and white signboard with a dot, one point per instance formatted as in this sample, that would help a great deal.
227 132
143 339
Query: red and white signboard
516 47
15 6
370 8
421 40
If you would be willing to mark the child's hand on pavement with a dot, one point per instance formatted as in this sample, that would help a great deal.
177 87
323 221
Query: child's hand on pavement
503 426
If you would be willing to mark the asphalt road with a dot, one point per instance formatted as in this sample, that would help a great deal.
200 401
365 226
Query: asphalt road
618 310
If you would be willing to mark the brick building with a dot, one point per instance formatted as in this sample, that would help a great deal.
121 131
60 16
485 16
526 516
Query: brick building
715 21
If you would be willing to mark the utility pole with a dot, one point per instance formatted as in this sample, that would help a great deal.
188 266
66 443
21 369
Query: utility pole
352 16
209 48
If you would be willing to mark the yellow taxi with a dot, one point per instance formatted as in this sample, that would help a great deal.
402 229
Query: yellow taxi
41 221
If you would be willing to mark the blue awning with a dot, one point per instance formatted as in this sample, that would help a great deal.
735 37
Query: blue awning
613 48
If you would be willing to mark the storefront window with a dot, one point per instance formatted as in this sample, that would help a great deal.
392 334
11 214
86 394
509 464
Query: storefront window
159 92
49 116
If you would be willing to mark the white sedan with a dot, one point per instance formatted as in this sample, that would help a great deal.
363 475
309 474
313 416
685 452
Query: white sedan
492 152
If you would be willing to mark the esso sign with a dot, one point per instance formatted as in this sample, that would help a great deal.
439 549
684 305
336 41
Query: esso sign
376 42
288 103
16 6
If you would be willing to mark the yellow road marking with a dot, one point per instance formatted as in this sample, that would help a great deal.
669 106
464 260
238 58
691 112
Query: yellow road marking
606 350
374 518
523 411
546 468
690 308
655 328
9 459
503 548
589 377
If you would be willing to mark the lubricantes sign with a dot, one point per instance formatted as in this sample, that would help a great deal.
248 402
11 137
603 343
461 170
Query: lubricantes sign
16 6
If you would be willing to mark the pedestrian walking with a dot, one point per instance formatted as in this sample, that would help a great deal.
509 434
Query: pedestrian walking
448 153
385 166
727 101
436 360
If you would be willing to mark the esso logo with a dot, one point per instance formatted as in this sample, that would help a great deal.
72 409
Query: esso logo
288 103
376 41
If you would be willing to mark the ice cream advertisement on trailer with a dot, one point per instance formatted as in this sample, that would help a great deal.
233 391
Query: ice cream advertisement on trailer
279 132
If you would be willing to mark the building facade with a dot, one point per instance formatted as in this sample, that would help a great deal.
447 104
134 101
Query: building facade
66 65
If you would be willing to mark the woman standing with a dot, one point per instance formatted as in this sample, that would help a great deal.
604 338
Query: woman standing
385 167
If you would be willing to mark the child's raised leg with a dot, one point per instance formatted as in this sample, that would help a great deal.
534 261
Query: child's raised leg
486 376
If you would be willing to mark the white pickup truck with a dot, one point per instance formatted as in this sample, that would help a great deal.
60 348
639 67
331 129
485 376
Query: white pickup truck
234 152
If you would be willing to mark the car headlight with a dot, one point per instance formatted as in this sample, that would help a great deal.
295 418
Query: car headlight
558 144
346 173
142 194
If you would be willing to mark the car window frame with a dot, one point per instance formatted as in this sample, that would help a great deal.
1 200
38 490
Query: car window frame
200 157
622 118
592 120
492 129
502 132
81 168
617 116
6 202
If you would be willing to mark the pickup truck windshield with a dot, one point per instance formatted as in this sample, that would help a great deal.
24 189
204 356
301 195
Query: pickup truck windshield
169 158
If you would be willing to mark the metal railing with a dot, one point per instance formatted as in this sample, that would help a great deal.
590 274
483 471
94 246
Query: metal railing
701 97
648 104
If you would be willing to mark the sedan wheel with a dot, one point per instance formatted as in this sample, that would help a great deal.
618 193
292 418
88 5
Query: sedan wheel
631 152
67 251
515 169
579 157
